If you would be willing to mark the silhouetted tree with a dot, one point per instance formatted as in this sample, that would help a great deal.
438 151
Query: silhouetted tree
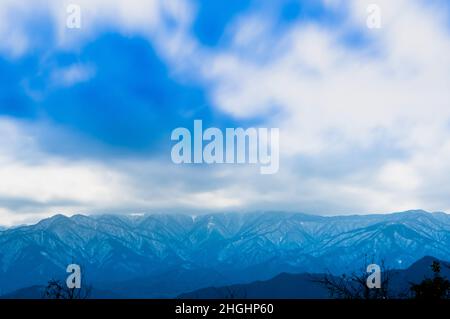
354 286
58 290
437 287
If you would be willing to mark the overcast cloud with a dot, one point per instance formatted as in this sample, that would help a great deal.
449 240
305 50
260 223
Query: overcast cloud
86 115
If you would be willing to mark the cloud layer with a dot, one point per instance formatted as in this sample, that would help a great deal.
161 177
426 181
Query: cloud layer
86 115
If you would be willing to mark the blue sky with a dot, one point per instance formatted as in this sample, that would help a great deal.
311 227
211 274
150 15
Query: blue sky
86 114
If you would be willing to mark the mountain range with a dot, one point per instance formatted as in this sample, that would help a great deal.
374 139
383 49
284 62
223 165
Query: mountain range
165 255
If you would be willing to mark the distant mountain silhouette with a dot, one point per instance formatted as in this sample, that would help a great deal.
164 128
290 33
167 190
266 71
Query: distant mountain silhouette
305 286
166 255
282 286
288 286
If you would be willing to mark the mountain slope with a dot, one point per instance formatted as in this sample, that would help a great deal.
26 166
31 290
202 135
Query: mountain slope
239 248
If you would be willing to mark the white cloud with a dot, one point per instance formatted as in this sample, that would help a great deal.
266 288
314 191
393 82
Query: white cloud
161 21
14 39
73 74
35 184
332 97
335 96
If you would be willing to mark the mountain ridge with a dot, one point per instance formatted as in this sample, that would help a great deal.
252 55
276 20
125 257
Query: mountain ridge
241 247
307 285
